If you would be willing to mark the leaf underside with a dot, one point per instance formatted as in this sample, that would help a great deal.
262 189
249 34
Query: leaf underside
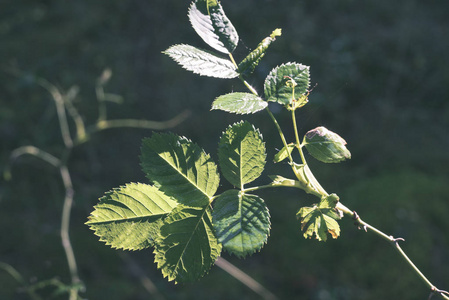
241 222
320 220
129 217
275 87
239 103
211 24
241 153
179 168
326 146
202 62
187 246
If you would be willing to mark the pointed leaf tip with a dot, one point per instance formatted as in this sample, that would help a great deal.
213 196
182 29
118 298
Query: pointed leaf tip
130 217
187 247
213 26
202 62
241 154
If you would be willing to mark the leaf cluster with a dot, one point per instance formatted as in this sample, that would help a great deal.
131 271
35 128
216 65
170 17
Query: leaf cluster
178 212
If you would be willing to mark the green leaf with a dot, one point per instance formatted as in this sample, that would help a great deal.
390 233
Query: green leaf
247 66
276 88
179 168
326 146
284 153
239 103
187 247
129 217
241 153
241 222
211 24
320 220
202 62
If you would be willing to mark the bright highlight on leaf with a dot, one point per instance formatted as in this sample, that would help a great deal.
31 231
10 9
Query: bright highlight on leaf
239 103
241 222
211 24
320 220
187 247
276 85
241 153
179 168
326 146
202 62
129 217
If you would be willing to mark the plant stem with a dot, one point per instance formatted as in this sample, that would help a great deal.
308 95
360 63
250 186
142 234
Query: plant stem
395 243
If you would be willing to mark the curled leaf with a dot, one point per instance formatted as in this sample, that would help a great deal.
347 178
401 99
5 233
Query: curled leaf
326 146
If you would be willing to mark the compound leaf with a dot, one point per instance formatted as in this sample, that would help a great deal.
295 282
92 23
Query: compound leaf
179 168
187 247
326 146
211 24
241 153
241 222
320 220
202 62
276 88
129 217
239 103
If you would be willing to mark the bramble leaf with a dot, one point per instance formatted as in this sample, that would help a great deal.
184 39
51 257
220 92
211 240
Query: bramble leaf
187 247
320 220
130 217
241 153
241 222
247 66
211 24
326 146
276 88
239 103
284 153
179 168
202 62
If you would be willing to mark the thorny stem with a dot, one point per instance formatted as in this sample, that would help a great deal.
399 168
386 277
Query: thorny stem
395 243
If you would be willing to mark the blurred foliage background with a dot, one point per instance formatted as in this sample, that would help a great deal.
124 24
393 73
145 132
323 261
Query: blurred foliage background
382 74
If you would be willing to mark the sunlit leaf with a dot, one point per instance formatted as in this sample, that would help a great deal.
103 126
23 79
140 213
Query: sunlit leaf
326 146
241 222
283 153
320 220
241 154
239 103
276 88
211 24
202 62
129 217
179 168
187 247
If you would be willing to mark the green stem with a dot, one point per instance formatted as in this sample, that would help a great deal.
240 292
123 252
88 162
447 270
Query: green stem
395 243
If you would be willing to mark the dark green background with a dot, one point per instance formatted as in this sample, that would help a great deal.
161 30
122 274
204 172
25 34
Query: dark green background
382 74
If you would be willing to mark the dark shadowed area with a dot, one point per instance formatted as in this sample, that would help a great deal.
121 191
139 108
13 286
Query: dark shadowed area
381 70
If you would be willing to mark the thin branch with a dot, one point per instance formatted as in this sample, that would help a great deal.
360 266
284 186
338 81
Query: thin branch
142 124
245 279
60 109
65 237
395 243
146 282
18 277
